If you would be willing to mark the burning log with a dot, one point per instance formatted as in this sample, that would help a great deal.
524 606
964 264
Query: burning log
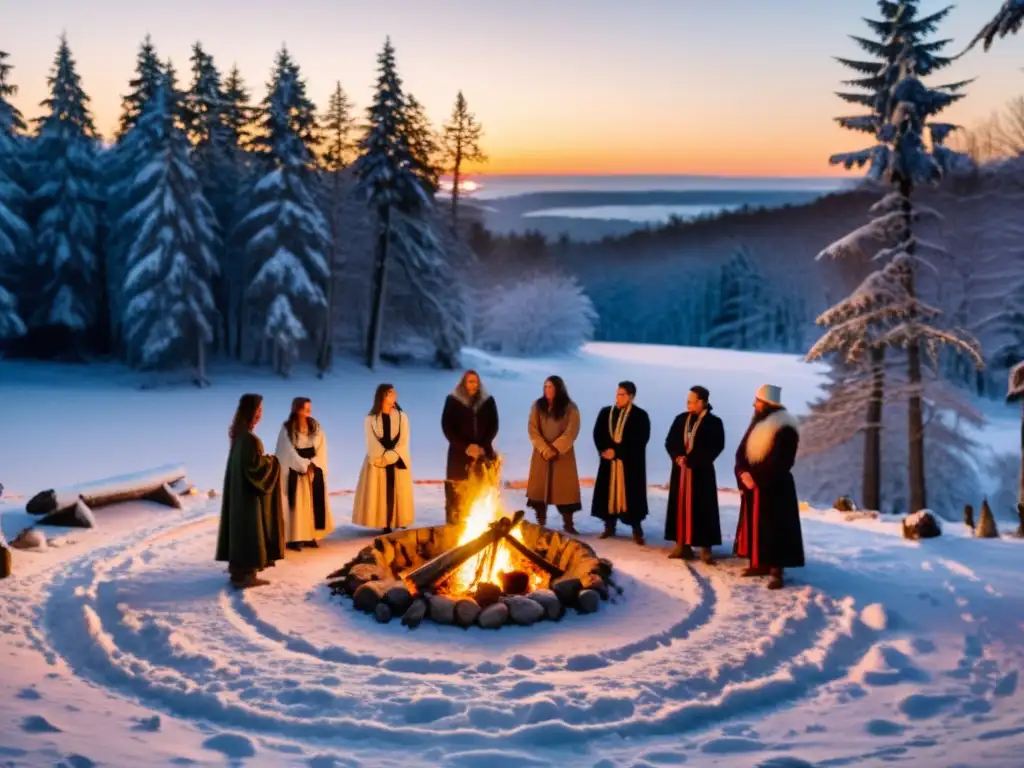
433 571
533 557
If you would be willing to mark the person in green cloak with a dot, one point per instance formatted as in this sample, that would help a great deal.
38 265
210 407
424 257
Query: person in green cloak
251 535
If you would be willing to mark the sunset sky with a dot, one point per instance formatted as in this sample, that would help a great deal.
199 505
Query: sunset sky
730 87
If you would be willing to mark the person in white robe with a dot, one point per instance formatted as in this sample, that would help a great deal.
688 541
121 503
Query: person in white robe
302 452
384 494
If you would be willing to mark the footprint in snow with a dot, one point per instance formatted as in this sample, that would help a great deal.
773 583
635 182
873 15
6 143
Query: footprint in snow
231 745
38 724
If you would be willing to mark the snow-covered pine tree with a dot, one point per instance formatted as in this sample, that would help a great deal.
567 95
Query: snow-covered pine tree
218 160
423 146
238 112
1007 21
902 46
337 125
67 201
148 77
15 233
740 322
170 312
386 180
286 235
460 144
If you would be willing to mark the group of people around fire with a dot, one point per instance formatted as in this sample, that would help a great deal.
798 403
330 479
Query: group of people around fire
279 501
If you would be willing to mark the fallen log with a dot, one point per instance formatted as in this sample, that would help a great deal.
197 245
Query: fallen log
64 506
533 557
434 570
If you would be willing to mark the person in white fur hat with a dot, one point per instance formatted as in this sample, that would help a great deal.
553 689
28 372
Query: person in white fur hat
768 532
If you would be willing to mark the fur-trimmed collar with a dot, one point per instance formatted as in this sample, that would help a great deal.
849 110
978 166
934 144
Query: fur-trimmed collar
460 394
762 436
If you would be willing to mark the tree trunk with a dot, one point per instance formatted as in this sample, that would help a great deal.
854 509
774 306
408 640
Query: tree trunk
326 358
200 361
871 488
456 180
379 286
915 415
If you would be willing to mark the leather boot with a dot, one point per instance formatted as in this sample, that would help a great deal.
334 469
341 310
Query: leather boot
705 556
609 530
638 535
682 552
751 571
567 524
776 582
542 517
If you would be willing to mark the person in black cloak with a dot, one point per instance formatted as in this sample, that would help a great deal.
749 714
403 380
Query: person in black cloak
470 424
695 439
768 531
621 434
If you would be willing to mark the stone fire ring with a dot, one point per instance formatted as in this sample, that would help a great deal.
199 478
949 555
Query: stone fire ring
373 580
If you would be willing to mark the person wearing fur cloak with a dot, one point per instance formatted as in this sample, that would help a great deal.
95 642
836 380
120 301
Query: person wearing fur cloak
768 531
694 442
470 425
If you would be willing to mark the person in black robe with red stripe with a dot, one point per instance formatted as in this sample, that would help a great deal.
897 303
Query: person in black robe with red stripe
768 531
694 441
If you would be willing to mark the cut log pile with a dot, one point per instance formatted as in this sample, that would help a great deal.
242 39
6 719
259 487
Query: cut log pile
380 579
73 506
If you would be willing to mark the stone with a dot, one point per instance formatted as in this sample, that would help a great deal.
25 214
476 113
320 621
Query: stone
921 525
596 583
548 600
466 612
487 594
30 538
383 613
588 601
399 599
844 504
416 613
515 582
567 590
524 610
442 610
605 568
6 564
369 595
493 616
987 528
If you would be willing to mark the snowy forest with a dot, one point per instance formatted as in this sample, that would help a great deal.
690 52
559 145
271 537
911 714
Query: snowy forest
267 233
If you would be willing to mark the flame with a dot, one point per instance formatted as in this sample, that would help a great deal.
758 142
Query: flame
485 508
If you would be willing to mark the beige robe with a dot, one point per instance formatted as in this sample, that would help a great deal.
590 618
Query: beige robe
298 521
369 508
561 435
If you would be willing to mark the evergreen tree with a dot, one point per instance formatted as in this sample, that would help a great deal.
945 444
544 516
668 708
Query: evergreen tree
460 144
902 48
386 179
423 146
238 112
338 124
15 233
300 120
218 161
170 312
285 232
148 77
1007 21
740 321
67 202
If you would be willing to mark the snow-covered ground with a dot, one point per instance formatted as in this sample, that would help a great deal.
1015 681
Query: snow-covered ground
123 645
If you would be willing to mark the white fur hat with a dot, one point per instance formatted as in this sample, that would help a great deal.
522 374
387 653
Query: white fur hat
769 393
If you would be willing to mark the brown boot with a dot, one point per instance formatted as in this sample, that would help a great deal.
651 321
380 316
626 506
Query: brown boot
638 535
567 524
751 571
776 582
706 558
608 532
681 552
542 517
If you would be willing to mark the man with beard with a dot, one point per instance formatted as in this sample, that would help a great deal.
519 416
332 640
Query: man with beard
768 531
694 441
621 434
470 424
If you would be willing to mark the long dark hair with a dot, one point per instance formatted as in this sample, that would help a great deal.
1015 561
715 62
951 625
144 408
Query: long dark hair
245 414
561 402
292 422
378 399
